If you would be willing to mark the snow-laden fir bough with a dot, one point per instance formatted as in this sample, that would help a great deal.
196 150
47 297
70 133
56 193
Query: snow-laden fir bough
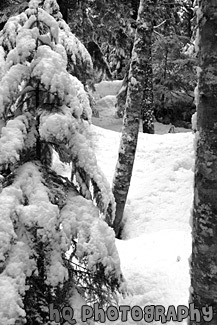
55 242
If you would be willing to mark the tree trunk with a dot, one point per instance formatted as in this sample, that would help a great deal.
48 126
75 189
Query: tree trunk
147 114
204 228
139 71
122 96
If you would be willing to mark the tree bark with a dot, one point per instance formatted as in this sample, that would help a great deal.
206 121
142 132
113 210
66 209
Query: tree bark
147 113
204 227
138 74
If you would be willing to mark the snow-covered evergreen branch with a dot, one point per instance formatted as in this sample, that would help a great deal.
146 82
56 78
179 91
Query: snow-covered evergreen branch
43 215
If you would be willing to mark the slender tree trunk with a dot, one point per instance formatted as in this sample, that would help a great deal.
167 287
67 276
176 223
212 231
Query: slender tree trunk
122 96
162 98
147 114
139 71
204 228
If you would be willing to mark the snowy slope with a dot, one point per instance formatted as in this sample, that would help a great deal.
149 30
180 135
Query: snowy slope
157 240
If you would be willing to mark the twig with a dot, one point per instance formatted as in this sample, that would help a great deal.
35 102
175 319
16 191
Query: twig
158 34
160 24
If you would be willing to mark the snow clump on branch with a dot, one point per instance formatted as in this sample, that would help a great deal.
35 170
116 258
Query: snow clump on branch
44 216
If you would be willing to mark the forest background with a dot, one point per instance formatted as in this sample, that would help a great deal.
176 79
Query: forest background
110 32
107 29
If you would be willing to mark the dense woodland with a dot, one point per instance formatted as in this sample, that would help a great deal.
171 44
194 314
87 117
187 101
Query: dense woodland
107 29
52 53
112 26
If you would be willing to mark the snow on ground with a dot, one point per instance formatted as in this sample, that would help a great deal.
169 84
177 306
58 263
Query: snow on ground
157 236
105 88
156 241
105 104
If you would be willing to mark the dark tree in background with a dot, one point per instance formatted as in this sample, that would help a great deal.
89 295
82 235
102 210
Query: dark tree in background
174 75
64 7
108 24
147 109
173 67
204 228
9 8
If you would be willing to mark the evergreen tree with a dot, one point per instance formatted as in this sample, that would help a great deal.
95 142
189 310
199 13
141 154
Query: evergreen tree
9 8
204 246
173 68
174 79
55 242
108 24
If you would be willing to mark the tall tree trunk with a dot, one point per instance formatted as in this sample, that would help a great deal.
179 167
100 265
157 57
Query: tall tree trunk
204 228
139 70
163 80
147 113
